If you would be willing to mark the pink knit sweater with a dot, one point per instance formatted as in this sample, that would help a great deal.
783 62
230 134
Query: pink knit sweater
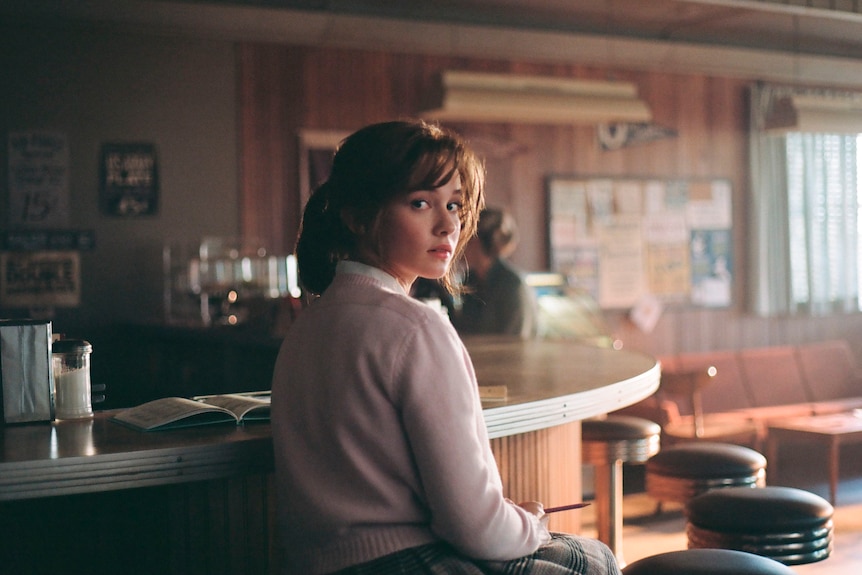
379 438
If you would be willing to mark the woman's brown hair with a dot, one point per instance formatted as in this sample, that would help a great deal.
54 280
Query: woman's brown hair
370 169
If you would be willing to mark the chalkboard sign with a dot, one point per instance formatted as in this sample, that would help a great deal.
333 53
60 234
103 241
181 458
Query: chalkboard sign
625 238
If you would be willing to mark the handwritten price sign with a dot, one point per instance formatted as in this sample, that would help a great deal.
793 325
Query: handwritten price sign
38 179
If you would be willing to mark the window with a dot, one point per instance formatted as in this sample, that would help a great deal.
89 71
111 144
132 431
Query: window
804 235
823 205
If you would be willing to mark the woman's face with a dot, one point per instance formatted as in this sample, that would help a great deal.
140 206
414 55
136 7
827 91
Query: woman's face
418 233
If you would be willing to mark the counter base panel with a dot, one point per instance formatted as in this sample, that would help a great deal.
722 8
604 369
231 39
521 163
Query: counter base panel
198 528
544 465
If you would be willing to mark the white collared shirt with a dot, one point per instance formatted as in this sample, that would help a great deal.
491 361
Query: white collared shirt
352 267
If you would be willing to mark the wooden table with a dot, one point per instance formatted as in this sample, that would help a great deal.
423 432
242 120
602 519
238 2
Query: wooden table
832 430
199 500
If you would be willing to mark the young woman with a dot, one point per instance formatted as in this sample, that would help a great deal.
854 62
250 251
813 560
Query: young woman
383 464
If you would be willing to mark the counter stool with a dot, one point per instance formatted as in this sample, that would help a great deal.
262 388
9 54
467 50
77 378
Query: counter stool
607 443
683 471
706 562
786 524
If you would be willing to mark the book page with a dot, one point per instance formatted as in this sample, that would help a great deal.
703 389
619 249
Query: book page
162 413
245 407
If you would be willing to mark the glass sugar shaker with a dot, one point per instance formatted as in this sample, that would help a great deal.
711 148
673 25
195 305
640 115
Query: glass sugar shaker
70 359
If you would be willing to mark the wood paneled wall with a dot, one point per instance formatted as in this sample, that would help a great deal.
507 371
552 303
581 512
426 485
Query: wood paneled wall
285 88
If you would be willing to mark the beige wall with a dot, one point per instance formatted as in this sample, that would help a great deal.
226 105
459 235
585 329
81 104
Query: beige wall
101 86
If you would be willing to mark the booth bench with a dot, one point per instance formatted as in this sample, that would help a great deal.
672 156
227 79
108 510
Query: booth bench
756 386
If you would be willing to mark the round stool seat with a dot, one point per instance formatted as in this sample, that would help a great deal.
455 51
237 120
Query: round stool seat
683 471
790 525
619 438
706 562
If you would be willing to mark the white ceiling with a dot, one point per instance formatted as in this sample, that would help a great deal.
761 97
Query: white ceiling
813 41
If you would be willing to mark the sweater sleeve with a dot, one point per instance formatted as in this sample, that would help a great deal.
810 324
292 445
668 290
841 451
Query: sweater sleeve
442 415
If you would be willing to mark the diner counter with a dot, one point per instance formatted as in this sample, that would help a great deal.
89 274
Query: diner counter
550 383
91 455
200 501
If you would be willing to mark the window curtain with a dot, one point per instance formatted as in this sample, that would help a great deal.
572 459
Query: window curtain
768 250
803 257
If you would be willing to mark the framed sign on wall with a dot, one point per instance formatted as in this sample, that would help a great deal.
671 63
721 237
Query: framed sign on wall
626 238
129 179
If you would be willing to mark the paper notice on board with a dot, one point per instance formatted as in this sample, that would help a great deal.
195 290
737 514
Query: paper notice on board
621 275
569 199
600 196
668 271
654 197
708 205
667 267
666 228
711 268
646 312
628 197
570 223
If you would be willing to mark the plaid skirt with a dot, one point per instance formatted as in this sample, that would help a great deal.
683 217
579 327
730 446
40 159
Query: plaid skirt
563 555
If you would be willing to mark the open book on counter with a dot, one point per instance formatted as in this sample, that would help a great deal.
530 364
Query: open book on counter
176 412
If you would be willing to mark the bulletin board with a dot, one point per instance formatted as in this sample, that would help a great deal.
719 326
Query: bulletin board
624 239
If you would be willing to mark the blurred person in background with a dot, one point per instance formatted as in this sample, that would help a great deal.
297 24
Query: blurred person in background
496 299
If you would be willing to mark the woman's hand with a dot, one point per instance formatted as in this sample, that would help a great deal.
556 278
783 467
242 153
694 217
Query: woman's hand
537 509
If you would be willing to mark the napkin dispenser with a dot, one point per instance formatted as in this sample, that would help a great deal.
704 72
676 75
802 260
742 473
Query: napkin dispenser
25 371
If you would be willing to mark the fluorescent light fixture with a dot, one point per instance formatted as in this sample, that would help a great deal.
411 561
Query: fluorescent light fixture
826 114
483 97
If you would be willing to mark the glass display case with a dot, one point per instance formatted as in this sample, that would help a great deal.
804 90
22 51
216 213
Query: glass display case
224 281
567 312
